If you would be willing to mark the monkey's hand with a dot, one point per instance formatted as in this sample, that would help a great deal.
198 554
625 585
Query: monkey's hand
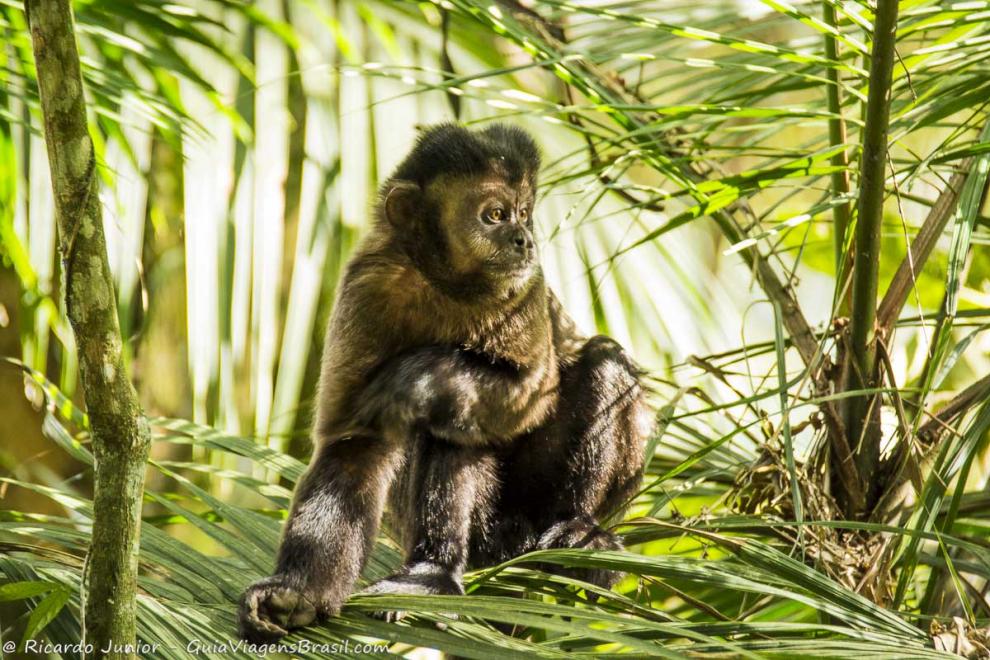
270 608
456 395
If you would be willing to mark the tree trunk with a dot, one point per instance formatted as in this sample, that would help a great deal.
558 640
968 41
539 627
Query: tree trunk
119 429
862 412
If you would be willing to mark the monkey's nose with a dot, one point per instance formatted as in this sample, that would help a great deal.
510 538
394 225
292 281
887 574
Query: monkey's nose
522 241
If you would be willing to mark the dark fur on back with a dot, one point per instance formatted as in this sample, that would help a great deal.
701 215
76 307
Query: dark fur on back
452 149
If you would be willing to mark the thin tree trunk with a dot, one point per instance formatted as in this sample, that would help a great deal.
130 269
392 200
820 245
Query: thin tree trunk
119 429
860 374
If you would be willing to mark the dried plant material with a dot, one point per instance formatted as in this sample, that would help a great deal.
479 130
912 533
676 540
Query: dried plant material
961 638
859 560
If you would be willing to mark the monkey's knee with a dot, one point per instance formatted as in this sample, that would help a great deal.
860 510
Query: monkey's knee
603 395
604 367
603 432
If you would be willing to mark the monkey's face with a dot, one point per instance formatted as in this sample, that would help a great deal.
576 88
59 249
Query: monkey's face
488 223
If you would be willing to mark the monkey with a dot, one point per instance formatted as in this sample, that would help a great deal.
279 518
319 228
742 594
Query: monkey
456 392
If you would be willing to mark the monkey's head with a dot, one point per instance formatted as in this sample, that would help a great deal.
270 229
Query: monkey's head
461 207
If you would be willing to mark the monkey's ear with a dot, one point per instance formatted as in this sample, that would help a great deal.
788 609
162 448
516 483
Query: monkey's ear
402 201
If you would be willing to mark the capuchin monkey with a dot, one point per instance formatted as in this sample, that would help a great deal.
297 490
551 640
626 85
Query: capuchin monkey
456 391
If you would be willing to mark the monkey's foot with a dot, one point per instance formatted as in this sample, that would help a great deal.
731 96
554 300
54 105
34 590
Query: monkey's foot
421 579
270 608
582 532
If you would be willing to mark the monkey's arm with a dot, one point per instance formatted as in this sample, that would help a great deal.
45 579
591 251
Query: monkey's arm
457 395
331 529
337 504
464 396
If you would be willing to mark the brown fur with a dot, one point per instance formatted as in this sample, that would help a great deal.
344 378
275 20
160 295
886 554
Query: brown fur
387 305
454 382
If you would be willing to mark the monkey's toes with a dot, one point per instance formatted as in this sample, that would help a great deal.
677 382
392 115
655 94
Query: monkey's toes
416 580
269 610
582 533
394 616
602 540
389 616
600 577
579 532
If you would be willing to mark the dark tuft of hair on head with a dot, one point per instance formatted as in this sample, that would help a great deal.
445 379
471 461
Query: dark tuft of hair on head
452 149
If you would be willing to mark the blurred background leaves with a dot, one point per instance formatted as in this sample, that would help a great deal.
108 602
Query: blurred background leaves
240 145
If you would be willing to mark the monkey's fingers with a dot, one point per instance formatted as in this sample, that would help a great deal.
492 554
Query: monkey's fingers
268 612
289 608
252 625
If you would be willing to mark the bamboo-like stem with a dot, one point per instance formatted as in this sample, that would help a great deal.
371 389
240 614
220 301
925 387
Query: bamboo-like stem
120 431
866 262
837 136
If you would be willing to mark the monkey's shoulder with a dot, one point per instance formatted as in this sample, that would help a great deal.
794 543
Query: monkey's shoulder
388 295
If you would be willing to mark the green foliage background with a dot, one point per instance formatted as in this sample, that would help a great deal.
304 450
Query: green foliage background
240 145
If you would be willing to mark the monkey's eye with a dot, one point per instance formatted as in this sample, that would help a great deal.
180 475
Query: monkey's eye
495 215
523 214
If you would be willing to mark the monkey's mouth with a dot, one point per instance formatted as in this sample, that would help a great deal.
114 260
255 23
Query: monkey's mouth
515 265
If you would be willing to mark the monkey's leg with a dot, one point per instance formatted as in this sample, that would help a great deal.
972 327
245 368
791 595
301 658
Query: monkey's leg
588 460
445 493
603 432
331 529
